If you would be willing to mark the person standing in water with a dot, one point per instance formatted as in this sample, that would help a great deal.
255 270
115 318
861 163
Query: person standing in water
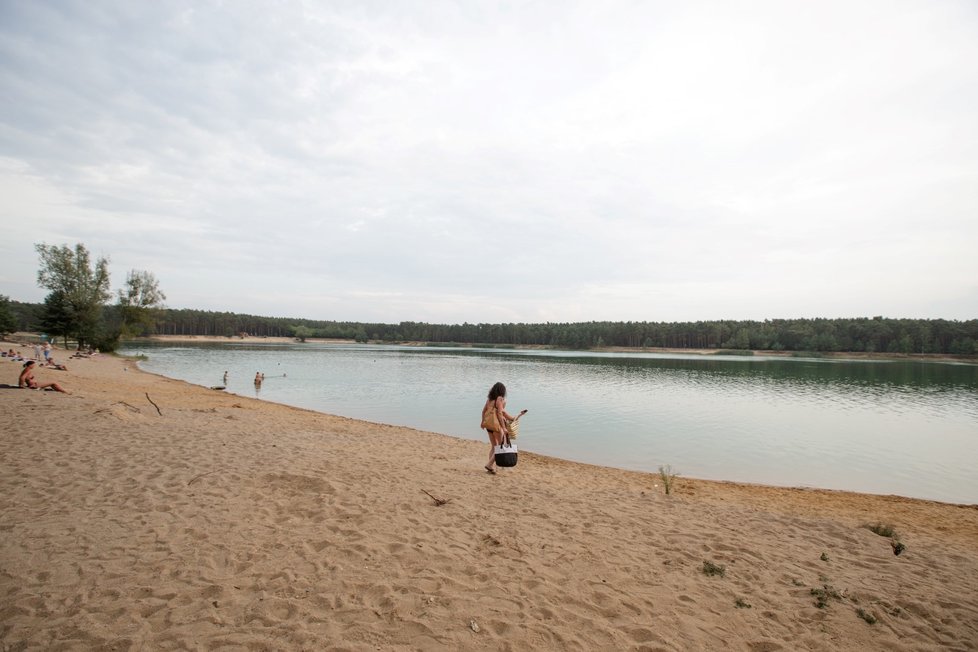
495 420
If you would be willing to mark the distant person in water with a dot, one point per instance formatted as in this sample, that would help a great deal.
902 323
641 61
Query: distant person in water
225 378
259 377
27 379
495 420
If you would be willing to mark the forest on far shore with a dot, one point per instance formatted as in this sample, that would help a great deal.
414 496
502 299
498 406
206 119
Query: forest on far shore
864 334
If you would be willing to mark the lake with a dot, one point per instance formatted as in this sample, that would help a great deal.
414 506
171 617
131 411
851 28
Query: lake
889 427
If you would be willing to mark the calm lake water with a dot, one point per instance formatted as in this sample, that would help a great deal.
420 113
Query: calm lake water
906 428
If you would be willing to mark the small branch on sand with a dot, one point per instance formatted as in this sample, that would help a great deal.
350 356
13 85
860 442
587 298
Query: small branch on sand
131 407
438 501
198 477
154 404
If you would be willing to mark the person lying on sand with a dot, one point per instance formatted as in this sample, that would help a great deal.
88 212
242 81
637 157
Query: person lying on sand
13 355
27 380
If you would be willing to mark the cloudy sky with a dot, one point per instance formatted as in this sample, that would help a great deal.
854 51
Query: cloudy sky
500 161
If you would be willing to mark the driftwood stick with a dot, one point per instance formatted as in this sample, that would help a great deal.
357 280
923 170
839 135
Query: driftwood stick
154 404
198 477
438 501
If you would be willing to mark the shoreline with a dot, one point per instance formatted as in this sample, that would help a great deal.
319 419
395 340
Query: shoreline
880 480
171 515
733 483
736 485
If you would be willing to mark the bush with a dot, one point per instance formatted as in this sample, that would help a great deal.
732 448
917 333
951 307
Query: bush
711 569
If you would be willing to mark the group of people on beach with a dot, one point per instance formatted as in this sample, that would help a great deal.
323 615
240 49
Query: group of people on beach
26 378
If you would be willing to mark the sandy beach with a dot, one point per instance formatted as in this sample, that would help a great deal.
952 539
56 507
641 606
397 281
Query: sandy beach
142 513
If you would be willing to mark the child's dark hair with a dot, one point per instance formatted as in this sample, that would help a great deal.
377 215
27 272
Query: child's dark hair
496 391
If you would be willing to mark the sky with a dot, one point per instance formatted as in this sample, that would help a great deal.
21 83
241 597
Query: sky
488 162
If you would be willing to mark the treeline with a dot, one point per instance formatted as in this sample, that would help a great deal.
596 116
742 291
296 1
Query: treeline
876 334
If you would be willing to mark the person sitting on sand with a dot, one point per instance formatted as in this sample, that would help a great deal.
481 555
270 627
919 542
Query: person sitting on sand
27 380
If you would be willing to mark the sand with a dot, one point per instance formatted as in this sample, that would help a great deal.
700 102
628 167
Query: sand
222 522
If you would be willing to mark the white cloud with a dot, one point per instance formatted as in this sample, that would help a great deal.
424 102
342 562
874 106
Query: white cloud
473 162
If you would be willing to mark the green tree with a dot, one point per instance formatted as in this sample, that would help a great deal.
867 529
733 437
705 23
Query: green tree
56 316
301 333
82 288
140 302
7 322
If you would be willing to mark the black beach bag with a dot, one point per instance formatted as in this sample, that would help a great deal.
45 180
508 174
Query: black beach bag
506 453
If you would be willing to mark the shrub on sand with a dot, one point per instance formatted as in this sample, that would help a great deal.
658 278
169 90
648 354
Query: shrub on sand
884 530
711 569
668 477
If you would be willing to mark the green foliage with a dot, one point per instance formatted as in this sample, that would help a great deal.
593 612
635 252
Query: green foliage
886 530
79 290
741 603
711 569
360 335
7 322
802 337
57 317
668 477
824 557
27 316
882 530
824 594
865 615
140 302
793 335
302 333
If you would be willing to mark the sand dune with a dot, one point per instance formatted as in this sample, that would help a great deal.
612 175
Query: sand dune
226 523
